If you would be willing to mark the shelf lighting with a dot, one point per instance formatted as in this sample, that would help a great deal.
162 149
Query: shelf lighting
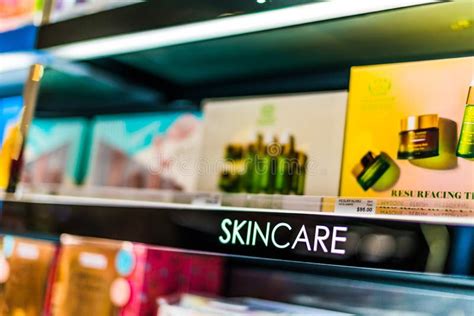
18 60
228 26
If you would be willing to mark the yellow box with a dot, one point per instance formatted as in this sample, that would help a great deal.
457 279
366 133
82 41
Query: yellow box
412 113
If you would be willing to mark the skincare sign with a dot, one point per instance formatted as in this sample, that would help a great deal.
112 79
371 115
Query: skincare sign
288 144
409 131
249 233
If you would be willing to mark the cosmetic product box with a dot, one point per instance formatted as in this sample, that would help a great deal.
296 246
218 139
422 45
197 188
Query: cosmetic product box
55 151
146 150
287 144
104 277
407 132
201 274
10 109
26 271
10 112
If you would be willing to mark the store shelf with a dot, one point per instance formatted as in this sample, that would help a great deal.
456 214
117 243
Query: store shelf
406 243
313 46
144 16
152 15
310 56
71 89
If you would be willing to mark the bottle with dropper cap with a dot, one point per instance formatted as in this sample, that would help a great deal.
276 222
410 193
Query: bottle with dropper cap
465 148
269 162
285 161
253 161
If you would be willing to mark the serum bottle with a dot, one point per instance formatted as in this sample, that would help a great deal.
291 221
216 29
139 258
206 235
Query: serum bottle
269 164
465 148
285 165
253 162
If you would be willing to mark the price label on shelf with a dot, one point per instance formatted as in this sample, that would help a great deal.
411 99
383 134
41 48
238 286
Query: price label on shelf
355 206
207 199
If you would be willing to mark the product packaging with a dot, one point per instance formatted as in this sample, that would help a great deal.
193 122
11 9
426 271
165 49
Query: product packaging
10 113
55 151
201 274
288 144
102 277
16 132
407 134
150 150
10 109
26 269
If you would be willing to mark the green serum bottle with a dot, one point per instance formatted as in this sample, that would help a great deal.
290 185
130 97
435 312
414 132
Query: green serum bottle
285 162
269 164
231 177
419 137
299 177
253 161
370 169
465 147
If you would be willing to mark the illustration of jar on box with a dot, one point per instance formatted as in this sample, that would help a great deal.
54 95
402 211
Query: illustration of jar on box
376 172
419 137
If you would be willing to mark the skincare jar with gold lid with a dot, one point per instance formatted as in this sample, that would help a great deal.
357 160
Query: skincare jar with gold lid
419 137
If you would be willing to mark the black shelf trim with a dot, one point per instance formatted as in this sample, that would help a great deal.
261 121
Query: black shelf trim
363 242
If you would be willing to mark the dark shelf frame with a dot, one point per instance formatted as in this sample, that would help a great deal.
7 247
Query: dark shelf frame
197 229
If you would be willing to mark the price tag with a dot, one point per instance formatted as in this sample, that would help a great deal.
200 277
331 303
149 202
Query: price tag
207 199
355 206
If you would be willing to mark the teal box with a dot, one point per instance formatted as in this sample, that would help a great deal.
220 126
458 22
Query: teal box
10 110
55 151
146 150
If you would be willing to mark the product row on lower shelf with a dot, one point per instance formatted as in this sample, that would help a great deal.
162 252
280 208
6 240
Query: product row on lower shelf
86 276
97 277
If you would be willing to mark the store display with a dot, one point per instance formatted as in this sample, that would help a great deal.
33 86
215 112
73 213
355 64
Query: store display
26 267
102 277
236 158
150 150
54 151
465 148
280 144
411 113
